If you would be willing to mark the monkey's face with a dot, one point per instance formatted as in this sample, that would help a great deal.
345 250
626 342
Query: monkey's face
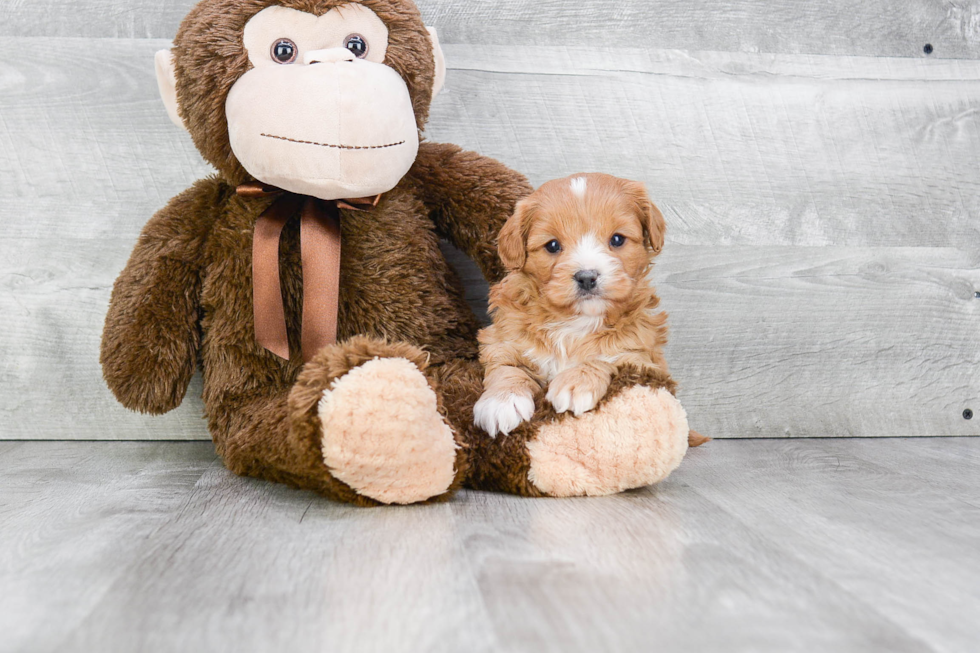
320 113
318 97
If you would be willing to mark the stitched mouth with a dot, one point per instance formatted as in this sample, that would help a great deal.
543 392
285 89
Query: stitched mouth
331 145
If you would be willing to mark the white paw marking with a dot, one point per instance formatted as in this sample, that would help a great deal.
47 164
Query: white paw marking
495 414
561 400
583 402
577 401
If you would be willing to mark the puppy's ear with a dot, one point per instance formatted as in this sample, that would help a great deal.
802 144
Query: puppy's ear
654 226
512 241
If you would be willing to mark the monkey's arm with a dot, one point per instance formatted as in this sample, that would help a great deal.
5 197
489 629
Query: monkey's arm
469 197
151 337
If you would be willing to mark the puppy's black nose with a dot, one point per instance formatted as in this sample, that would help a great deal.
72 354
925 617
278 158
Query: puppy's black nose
586 279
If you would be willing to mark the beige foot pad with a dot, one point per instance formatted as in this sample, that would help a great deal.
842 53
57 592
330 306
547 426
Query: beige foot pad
383 435
635 439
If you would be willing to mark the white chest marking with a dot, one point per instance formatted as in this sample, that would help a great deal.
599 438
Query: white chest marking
563 336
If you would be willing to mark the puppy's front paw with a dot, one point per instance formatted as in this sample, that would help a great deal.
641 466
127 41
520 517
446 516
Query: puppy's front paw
576 391
502 413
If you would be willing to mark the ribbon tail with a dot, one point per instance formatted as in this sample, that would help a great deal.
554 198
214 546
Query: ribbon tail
320 251
267 304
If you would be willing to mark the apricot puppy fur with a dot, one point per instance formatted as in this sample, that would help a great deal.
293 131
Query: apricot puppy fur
577 302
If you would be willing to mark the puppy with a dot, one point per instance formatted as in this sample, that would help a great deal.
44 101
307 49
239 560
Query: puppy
577 302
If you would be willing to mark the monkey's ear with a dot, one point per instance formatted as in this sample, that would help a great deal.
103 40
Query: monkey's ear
440 77
511 243
167 83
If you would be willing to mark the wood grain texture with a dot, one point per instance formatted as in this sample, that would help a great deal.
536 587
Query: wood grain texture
823 341
293 571
72 516
821 217
793 545
942 463
736 148
865 538
874 27
87 160
739 149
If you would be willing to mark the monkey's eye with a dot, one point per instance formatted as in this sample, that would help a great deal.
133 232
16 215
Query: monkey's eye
618 240
284 51
356 44
553 246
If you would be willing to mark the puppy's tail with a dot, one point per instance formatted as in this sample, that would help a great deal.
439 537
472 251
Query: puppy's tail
695 439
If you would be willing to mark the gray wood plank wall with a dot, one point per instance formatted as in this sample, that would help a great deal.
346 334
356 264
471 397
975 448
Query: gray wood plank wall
820 176
875 28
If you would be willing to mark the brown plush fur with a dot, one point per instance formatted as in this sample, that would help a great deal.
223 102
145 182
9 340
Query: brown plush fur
184 299
191 273
185 296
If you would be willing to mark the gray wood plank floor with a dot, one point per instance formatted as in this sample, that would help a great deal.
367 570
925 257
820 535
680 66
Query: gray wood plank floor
753 545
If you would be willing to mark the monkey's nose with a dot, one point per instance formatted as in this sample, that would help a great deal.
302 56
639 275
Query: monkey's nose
587 279
331 55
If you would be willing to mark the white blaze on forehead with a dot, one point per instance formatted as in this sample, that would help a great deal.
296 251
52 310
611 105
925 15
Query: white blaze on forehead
589 254
578 185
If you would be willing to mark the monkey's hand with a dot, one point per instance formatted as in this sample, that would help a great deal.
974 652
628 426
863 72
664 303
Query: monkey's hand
469 197
151 336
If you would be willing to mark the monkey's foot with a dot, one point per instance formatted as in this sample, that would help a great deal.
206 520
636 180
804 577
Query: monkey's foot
383 435
633 439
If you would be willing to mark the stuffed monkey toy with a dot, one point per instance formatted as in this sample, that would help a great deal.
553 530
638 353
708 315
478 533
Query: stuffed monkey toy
305 278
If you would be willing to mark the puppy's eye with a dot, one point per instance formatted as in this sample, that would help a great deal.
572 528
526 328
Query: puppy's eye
553 246
284 51
356 44
618 240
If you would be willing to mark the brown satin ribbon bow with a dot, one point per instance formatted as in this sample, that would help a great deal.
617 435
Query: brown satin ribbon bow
320 255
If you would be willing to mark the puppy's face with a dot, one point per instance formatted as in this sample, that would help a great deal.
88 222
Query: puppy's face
586 240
